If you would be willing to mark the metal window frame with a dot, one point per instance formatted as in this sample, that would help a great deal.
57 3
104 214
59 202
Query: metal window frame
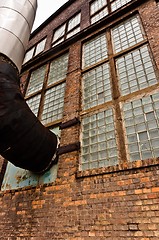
66 31
43 90
117 98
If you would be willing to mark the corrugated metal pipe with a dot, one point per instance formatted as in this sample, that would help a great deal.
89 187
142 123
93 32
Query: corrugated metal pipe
24 141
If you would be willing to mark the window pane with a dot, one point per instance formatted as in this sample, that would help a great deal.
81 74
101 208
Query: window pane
73 32
58 69
136 71
127 34
40 47
143 141
59 41
98 141
118 3
59 32
36 80
97 4
99 15
53 104
96 86
29 55
95 50
73 22
33 103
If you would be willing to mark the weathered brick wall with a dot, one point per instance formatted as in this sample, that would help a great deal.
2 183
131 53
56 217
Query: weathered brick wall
121 205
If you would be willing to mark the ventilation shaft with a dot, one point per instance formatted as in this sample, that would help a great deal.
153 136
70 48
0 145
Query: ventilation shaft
24 141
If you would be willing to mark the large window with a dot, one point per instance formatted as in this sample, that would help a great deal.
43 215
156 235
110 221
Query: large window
45 92
67 30
101 8
142 127
115 119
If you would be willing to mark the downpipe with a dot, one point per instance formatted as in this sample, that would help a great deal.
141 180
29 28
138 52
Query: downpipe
24 141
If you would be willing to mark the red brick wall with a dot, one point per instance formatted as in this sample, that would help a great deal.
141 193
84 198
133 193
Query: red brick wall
121 205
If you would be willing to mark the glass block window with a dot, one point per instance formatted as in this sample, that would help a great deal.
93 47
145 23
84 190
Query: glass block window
127 34
53 104
136 70
67 30
35 51
96 86
34 103
97 4
142 127
118 3
101 8
98 10
46 88
116 64
58 69
95 50
36 80
98 141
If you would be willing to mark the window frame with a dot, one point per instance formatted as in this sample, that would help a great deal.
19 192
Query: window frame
66 31
34 49
118 99
45 87
108 5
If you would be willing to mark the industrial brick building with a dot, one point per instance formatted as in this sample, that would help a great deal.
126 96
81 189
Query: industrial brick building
91 76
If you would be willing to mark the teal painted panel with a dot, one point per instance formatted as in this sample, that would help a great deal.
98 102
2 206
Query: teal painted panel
15 178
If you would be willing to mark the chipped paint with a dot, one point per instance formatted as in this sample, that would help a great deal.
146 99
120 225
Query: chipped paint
15 178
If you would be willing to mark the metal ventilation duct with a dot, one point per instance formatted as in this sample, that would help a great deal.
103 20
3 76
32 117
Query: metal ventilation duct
16 20
24 141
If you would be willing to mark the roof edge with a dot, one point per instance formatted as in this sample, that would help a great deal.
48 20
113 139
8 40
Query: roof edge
55 14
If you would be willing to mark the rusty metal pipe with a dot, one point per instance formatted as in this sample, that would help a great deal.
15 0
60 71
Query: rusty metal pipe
24 141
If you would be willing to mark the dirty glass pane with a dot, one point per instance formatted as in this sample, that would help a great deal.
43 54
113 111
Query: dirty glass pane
36 80
40 47
96 86
29 55
59 32
99 15
58 42
33 103
97 5
58 69
98 141
127 34
73 32
118 3
135 71
73 22
143 142
95 50
53 104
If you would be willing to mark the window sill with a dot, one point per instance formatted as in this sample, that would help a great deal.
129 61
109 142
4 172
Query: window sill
118 168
